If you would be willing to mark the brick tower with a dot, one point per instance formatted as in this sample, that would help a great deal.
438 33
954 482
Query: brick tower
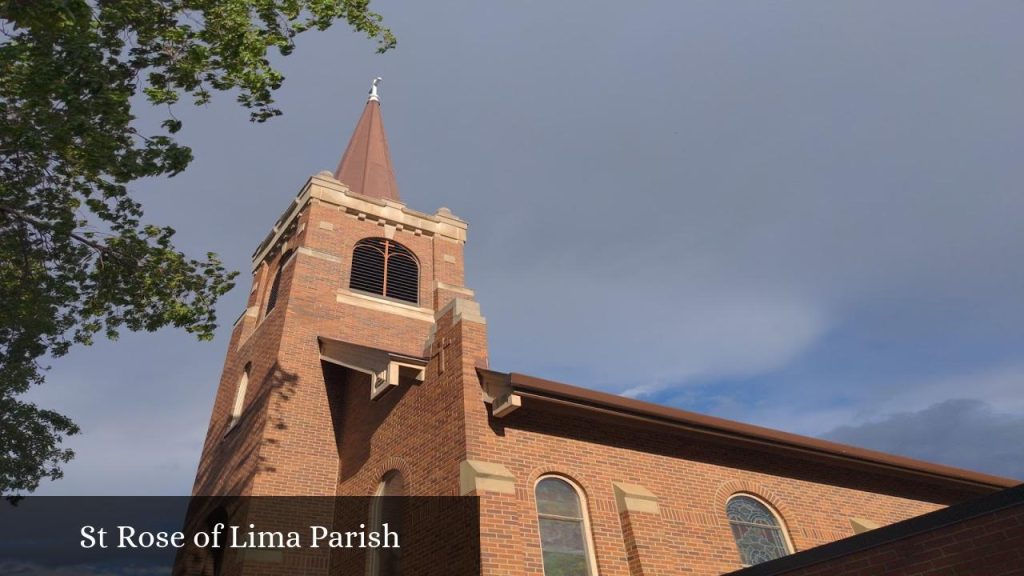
359 368
350 358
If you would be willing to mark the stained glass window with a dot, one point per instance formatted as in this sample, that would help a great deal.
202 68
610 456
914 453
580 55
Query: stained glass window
756 530
563 538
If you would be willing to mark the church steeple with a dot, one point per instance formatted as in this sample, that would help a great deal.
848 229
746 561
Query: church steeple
366 166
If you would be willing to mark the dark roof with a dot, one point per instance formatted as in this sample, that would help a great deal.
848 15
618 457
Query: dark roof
541 390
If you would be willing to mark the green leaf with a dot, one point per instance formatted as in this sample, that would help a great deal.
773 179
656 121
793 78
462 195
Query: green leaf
76 258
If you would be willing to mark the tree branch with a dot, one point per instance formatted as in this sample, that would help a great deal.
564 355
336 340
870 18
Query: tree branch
40 224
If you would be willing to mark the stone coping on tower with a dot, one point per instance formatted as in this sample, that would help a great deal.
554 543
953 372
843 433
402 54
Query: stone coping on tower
325 189
380 304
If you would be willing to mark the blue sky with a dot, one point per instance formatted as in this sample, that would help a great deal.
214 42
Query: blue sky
803 215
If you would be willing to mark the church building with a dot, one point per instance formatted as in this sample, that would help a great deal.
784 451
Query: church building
360 368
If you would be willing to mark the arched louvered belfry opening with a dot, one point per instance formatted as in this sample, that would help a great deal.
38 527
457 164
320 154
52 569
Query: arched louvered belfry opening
385 267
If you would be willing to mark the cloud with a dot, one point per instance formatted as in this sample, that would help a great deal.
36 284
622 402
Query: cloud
961 432
660 200
1000 386
604 333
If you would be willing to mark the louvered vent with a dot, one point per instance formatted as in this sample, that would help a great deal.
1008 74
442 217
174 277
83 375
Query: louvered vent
383 267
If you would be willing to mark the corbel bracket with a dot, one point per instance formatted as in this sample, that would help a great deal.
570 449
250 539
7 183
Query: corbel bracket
498 392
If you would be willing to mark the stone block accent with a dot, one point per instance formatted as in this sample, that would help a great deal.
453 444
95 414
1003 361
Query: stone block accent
476 476
635 498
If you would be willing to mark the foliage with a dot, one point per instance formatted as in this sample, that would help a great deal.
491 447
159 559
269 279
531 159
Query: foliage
76 259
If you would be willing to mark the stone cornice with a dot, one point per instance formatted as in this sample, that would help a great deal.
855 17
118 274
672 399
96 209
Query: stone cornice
323 188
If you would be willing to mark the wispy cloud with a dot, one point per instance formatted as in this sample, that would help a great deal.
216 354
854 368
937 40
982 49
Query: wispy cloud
1001 387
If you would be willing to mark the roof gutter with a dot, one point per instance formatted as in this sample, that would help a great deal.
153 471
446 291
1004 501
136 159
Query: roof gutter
513 387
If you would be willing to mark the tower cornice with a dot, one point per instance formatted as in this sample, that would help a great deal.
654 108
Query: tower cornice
393 216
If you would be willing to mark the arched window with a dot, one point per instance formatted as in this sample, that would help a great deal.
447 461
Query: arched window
276 286
239 404
387 510
387 268
756 529
564 533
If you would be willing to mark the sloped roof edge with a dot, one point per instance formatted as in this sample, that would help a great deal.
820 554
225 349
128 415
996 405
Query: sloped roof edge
756 436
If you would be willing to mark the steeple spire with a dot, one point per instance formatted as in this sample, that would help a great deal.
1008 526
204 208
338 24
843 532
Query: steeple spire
366 165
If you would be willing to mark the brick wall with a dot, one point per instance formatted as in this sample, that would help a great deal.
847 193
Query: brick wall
416 428
982 537
691 479
310 428
285 442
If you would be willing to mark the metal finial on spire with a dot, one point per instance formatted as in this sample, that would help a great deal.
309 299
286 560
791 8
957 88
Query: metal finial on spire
373 90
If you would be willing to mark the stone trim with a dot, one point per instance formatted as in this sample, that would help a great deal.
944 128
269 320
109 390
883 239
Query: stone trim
463 310
635 498
478 476
323 188
250 312
346 296
438 285
381 366
319 254
497 391
504 405
861 525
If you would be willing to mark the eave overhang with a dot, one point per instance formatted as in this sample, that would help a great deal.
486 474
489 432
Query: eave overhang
520 391
384 368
